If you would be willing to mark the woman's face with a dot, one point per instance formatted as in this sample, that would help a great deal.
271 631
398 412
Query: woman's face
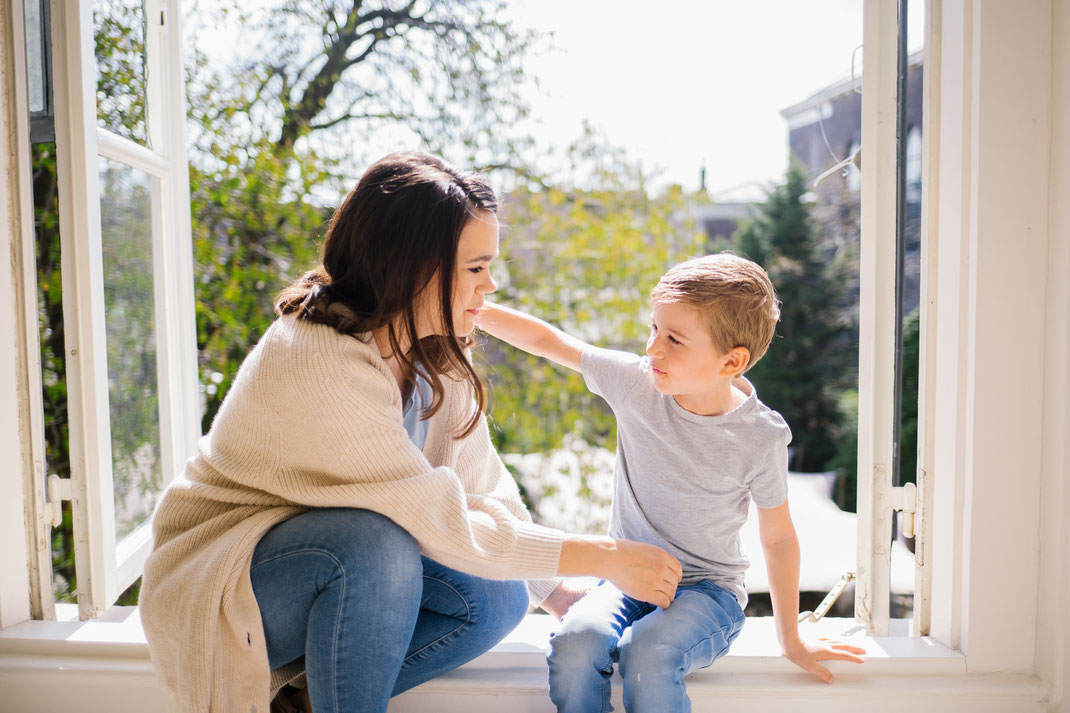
476 249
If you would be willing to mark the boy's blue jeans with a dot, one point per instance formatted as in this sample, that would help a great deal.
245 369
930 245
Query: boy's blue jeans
349 590
655 647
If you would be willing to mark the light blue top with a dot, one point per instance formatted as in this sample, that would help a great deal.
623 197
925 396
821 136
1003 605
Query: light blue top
414 407
683 481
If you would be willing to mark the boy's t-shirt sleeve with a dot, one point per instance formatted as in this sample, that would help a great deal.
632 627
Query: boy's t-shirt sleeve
769 484
610 373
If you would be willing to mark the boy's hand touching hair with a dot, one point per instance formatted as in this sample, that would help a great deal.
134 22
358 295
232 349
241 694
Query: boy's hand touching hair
806 655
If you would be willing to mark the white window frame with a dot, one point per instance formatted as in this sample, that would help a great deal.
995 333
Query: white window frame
877 498
24 526
1010 620
105 566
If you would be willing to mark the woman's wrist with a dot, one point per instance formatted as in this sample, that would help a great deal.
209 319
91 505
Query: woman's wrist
587 555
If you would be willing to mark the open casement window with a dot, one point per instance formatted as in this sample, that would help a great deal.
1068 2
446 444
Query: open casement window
127 278
883 199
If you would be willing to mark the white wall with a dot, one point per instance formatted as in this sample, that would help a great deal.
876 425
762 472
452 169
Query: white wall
1052 635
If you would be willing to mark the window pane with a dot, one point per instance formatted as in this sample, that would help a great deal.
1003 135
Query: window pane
35 72
126 199
119 34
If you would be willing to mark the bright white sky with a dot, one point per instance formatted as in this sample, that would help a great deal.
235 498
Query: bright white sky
690 82
683 84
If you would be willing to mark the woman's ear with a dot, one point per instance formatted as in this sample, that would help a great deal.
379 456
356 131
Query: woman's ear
735 361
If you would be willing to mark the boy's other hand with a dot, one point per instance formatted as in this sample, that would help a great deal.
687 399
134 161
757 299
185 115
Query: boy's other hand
806 655
563 597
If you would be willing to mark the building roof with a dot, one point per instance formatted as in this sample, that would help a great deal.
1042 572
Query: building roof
799 114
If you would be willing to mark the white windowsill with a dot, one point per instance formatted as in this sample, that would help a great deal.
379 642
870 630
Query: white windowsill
119 634
110 652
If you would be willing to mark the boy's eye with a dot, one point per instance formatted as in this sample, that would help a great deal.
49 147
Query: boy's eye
673 339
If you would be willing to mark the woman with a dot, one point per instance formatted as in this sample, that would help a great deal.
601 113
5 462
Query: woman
346 513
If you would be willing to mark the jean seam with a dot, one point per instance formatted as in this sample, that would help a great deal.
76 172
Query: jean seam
337 638
468 619
338 613
303 551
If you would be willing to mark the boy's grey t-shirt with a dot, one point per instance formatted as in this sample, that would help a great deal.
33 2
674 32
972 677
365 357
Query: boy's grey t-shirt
683 481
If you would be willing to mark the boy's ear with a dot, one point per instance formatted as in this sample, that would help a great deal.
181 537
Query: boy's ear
735 361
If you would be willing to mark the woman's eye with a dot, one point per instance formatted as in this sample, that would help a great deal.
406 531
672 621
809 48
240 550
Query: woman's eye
475 270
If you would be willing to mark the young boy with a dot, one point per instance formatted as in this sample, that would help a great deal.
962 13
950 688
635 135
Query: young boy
694 445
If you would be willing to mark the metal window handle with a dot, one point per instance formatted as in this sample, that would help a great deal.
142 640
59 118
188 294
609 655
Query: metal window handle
829 600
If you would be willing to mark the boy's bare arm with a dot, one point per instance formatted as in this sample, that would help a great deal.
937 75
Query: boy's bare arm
532 335
781 548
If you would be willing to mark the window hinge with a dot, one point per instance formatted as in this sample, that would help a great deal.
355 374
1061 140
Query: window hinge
830 599
59 489
905 500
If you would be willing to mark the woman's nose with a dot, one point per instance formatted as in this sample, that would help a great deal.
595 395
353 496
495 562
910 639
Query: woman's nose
490 285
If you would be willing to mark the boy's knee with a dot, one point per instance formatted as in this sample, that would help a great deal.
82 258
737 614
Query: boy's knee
638 659
572 648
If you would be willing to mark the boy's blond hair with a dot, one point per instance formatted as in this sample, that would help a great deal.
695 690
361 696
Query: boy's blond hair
733 294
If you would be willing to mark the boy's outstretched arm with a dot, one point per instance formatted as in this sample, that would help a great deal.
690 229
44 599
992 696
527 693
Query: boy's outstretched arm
532 335
781 548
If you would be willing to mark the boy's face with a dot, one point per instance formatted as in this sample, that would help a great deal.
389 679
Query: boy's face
683 360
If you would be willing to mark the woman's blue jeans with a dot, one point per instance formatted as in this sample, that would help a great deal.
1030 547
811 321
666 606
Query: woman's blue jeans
655 647
348 590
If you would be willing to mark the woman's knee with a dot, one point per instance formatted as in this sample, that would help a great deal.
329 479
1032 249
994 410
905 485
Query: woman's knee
356 543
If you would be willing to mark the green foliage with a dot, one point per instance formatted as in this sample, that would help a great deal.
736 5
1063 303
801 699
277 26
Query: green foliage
809 363
585 260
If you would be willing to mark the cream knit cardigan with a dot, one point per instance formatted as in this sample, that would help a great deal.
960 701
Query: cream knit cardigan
313 419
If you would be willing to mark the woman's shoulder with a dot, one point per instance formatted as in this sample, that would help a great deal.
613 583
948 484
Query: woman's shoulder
309 351
289 333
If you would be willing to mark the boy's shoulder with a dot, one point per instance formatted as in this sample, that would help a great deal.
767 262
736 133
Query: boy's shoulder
768 425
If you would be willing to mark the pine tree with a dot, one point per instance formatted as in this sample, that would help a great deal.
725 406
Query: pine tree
812 358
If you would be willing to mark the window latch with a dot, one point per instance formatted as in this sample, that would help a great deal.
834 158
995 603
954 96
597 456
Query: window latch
59 489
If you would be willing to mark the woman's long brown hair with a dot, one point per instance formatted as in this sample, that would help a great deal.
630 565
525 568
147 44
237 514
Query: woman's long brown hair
393 233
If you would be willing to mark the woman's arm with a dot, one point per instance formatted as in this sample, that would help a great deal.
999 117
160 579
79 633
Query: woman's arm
532 335
639 570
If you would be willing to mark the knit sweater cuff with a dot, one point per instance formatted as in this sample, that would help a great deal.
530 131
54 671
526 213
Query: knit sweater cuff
540 589
538 551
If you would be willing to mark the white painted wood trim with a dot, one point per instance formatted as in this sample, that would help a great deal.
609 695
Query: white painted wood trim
876 313
131 153
930 234
104 666
74 84
107 567
1053 617
24 542
994 152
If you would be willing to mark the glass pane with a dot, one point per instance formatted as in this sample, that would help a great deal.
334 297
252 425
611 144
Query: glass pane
126 198
119 34
35 59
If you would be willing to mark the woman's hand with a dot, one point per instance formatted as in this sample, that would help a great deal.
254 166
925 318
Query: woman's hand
641 571
807 655
563 597
646 572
